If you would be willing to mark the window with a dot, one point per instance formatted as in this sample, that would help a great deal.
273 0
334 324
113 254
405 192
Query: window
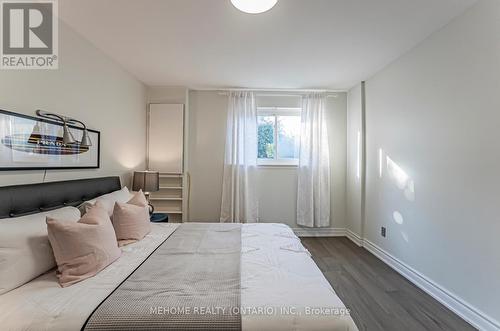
278 136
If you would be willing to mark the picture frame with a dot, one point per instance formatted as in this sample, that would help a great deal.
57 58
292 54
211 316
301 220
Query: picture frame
33 143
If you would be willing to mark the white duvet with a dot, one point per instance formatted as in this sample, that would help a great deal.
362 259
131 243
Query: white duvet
282 288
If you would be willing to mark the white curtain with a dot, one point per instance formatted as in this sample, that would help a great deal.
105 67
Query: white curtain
313 193
239 195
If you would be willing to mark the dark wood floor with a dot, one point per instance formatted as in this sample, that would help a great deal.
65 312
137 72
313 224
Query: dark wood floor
379 298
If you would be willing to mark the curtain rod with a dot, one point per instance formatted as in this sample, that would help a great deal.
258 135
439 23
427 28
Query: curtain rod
269 90
290 94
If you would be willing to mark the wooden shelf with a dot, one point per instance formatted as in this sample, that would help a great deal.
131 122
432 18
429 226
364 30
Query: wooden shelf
169 212
171 187
166 199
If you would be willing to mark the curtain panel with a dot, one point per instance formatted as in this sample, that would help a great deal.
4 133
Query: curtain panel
239 193
313 192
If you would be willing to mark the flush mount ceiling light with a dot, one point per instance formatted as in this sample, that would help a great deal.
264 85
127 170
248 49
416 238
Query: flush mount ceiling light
254 6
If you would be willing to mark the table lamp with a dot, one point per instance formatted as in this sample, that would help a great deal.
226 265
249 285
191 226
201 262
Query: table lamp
147 181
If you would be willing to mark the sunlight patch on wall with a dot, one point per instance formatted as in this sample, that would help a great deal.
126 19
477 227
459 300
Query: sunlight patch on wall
397 173
398 218
358 159
410 191
405 237
399 177
380 163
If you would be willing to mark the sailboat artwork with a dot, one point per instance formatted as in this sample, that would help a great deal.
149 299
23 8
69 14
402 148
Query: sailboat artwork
42 144
29 143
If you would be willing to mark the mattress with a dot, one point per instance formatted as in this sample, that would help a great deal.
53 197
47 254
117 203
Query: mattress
281 287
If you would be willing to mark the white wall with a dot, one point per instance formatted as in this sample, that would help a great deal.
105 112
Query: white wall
436 113
91 87
207 132
336 110
167 94
354 160
277 186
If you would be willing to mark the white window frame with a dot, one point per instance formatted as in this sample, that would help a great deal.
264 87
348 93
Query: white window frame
278 111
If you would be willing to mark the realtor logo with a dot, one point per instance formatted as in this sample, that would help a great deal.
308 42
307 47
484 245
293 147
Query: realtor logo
29 34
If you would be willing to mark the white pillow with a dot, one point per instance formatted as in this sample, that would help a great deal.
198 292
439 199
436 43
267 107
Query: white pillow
25 248
109 200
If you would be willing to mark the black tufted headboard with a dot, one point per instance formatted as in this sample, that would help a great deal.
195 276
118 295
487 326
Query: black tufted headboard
22 200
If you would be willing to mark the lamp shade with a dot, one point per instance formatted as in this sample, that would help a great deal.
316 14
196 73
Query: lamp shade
86 142
67 135
147 181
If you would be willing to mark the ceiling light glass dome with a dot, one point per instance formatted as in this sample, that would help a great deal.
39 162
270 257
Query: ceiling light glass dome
254 6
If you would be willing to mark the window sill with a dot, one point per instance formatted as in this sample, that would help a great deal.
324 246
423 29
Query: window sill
276 167
277 163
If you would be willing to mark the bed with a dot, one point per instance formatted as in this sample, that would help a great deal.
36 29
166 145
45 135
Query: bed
192 276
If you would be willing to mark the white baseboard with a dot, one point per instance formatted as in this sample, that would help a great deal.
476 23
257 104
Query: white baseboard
355 238
319 232
463 309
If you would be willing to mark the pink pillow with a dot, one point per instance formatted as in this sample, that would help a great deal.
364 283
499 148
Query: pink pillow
109 200
139 199
106 203
84 248
131 220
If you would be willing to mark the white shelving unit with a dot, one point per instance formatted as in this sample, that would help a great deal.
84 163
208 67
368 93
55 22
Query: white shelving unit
169 199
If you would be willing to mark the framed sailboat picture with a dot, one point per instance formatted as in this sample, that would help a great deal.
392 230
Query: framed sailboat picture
31 143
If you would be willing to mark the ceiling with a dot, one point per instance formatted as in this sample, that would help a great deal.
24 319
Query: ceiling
298 44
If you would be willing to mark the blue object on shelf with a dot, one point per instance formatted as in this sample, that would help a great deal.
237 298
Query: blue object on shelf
159 218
